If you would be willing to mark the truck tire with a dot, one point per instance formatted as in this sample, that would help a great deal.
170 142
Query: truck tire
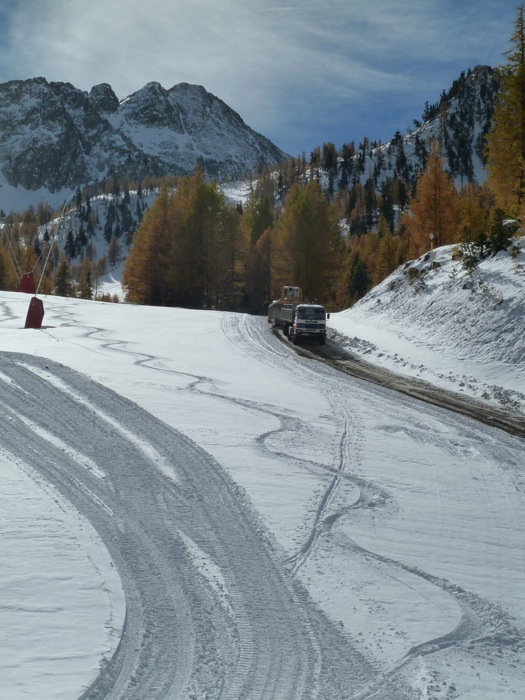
322 340
285 330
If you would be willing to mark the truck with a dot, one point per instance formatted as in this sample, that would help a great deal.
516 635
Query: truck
299 320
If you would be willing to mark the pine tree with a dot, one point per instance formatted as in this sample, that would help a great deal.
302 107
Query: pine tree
505 143
114 251
85 287
357 210
358 281
259 214
501 232
69 246
63 281
231 251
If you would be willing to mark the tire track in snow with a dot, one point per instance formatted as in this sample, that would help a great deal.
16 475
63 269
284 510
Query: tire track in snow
249 333
180 639
484 629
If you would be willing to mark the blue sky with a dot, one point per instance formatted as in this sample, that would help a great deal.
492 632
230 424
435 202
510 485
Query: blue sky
301 73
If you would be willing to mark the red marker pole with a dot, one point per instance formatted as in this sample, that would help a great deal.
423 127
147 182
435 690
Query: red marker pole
35 313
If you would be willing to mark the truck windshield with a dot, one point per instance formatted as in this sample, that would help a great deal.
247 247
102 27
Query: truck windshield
314 313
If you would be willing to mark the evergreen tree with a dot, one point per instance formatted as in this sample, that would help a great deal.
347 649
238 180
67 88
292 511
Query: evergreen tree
501 231
111 219
115 188
370 203
357 213
329 158
359 281
63 281
126 217
69 247
85 287
114 251
258 214
80 240
386 204
138 210
231 251
78 199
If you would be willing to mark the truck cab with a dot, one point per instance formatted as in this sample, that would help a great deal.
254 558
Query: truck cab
309 321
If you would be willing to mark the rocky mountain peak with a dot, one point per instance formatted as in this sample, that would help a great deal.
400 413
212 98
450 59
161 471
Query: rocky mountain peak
56 137
103 98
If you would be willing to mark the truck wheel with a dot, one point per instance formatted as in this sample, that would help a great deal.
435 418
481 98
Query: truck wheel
295 339
322 340
285 330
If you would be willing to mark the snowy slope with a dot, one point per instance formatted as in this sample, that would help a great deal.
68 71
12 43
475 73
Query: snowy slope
273 528
460 331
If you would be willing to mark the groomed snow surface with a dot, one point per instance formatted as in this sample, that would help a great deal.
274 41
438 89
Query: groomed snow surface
190 510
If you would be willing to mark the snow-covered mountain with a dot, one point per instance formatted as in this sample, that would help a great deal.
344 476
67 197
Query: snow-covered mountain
458 121
55 137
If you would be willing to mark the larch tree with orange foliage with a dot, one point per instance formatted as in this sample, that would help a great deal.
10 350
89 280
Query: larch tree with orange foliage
310 242
145 273
434 209
505 143
260 271
476 205
7 270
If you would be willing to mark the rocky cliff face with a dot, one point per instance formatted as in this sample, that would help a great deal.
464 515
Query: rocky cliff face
54 136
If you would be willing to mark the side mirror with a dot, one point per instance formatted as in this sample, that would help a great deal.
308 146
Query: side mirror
327 316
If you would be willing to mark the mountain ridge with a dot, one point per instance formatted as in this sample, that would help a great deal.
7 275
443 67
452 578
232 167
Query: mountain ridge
55 137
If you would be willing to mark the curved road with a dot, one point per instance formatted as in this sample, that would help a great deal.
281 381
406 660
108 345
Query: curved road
343 360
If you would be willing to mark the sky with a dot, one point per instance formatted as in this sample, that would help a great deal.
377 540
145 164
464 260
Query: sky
403 523
302 74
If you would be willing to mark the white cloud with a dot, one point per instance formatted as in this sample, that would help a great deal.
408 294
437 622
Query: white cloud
271 61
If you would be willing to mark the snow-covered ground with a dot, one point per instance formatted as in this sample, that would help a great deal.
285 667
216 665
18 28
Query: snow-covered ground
464 332
189 509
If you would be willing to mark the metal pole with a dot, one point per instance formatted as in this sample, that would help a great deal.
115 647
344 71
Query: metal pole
50 245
